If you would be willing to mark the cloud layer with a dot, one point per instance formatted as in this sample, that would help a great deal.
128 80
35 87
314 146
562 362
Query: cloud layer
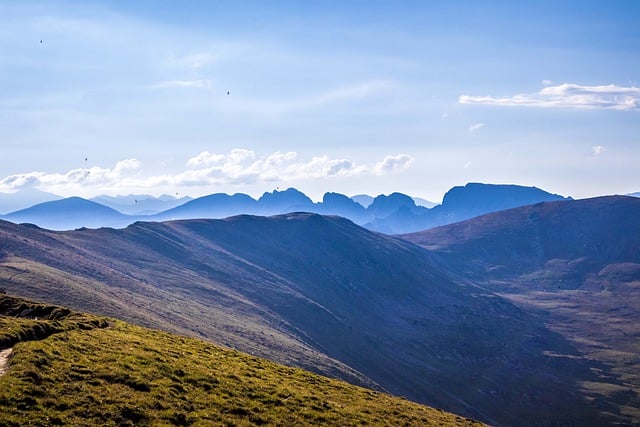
237 167
609 97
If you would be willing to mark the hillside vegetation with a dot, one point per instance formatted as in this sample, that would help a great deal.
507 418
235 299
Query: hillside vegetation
89 371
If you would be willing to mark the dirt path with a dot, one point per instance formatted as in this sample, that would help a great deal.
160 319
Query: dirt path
4 359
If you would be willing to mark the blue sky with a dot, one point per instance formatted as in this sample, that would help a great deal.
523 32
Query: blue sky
350 96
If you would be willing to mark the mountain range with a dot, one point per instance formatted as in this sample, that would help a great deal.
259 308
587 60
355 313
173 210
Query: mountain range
25 198
393 214
527 316
140 204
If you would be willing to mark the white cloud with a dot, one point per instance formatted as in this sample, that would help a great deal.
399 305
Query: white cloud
610 97
204 159
597 150
546 82
73 179
476 127
392 164
237 167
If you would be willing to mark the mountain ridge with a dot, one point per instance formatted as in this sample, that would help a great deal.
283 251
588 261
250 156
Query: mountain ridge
575 264
318 292
393 214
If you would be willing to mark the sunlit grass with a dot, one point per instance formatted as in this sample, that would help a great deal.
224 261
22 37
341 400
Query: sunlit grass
126 375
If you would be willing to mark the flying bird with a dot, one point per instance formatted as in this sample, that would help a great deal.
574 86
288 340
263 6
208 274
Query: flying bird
227 92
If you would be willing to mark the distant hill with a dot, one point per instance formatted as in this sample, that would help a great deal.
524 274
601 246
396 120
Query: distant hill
321 293
574 263
366 200
78 369
363 199
401 215
396 213
218 205
140 204
424 203
590 232
289 200
24 198
69 213
341 205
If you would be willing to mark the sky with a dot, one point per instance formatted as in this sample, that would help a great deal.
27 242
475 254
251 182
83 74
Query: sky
356 97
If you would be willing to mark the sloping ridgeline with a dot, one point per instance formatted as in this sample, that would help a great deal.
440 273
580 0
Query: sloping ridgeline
575 265
85 374
317 292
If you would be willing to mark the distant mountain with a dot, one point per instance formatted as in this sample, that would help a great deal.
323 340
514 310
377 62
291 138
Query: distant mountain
424 203
574 263
475 199
363 200
366 200
321 293
590 233
396 213
24 198
70 213
458 204
217 205
341 205
289 200
140 204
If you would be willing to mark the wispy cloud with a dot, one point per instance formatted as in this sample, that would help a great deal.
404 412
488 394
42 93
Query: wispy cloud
237 167
609 97
597 150
329 98
476 127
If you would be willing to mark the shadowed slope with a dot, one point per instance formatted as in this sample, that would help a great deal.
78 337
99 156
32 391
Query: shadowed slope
311 291
577 264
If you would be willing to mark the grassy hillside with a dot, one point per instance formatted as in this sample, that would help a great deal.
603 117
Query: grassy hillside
87 371
319 293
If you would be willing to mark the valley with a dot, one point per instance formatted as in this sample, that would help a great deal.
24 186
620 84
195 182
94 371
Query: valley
574 265
427 323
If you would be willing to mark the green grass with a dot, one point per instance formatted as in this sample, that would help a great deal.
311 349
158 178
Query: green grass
92 372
